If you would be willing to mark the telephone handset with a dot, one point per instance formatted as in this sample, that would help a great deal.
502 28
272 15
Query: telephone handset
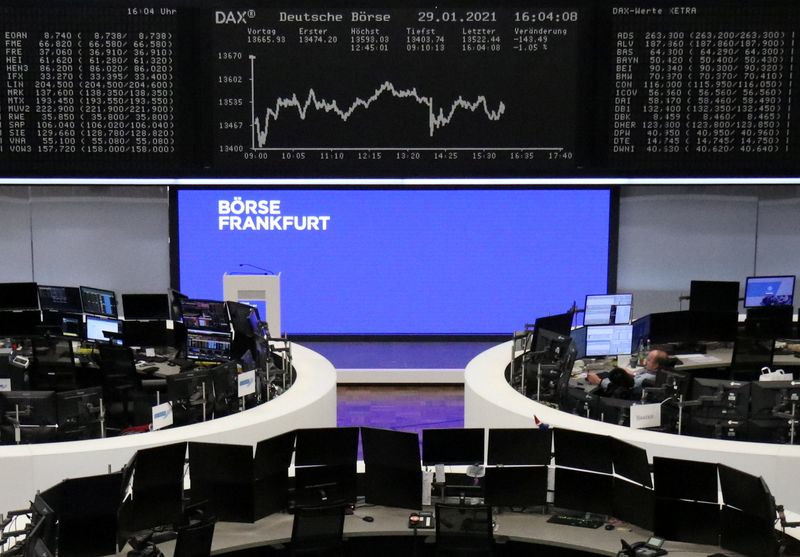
650 548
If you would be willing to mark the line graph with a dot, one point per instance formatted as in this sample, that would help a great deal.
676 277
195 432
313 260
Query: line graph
437 118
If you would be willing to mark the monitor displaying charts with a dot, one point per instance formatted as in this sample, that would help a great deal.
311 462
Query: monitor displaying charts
608 309
608 340
769 291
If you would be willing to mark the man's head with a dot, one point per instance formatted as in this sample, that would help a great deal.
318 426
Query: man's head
654 359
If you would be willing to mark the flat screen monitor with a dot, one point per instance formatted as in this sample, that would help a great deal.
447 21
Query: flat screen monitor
578 337
189 392
205 315
20 323
608 340
516 486
770 322
78 413
391 449
583 491
766 396
520 446
96 328
630 462
225 389
19 296
746 493
63 324
750 355
208 346
452 446
147 334
61 298
35 407
99 302
335 446
721 397
769 291
560 323
714 295
583 451
608 309
685 479
146 306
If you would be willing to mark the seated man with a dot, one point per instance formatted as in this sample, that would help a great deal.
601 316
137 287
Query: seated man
621 385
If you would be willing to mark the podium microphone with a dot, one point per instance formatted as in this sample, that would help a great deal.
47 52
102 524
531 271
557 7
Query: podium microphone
265 271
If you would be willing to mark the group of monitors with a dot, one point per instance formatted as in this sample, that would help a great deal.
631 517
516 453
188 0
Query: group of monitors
215 330
759 291
49 416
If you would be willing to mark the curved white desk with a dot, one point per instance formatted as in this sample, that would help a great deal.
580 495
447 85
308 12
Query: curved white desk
310 402
490 402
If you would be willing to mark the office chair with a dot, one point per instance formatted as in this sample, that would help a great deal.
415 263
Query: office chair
464 530
195 540
318 530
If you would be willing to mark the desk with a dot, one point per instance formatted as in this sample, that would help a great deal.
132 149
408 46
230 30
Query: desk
490 402
531 528
310 402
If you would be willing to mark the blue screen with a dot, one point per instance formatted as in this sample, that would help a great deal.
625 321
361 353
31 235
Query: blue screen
401 261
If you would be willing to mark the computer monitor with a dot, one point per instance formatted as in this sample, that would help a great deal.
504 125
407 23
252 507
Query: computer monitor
608 309
516 486
685 479
769 291
675 383
97 327
583 491
452 446
208 345
714 295
98 301
146 306
226 389
578 336
392 466
608 340
147 334
560 323
750 355
35 407
721 398
630 462
63 324
520 446
326 446
767 397
78 413
205 315
188 391
770 322
20 323
16 296
583 451
60 298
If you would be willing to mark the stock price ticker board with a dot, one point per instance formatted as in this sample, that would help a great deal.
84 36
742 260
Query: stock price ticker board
450 89
270 90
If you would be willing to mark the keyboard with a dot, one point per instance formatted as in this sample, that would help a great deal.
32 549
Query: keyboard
580 521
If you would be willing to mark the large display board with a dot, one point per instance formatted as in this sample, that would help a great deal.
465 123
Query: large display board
400 261
311 89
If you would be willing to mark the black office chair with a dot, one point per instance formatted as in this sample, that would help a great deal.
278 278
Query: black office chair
195 540
318 530
464 530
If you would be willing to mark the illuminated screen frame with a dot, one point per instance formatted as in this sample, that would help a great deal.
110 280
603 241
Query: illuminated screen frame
609 193
753 282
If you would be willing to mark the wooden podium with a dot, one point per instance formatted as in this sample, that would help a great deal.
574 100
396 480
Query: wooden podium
259 288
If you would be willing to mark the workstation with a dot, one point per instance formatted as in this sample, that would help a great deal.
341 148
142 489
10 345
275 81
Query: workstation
446 200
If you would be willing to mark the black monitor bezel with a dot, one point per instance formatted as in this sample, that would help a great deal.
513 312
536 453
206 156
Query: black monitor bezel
115 308
747 282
